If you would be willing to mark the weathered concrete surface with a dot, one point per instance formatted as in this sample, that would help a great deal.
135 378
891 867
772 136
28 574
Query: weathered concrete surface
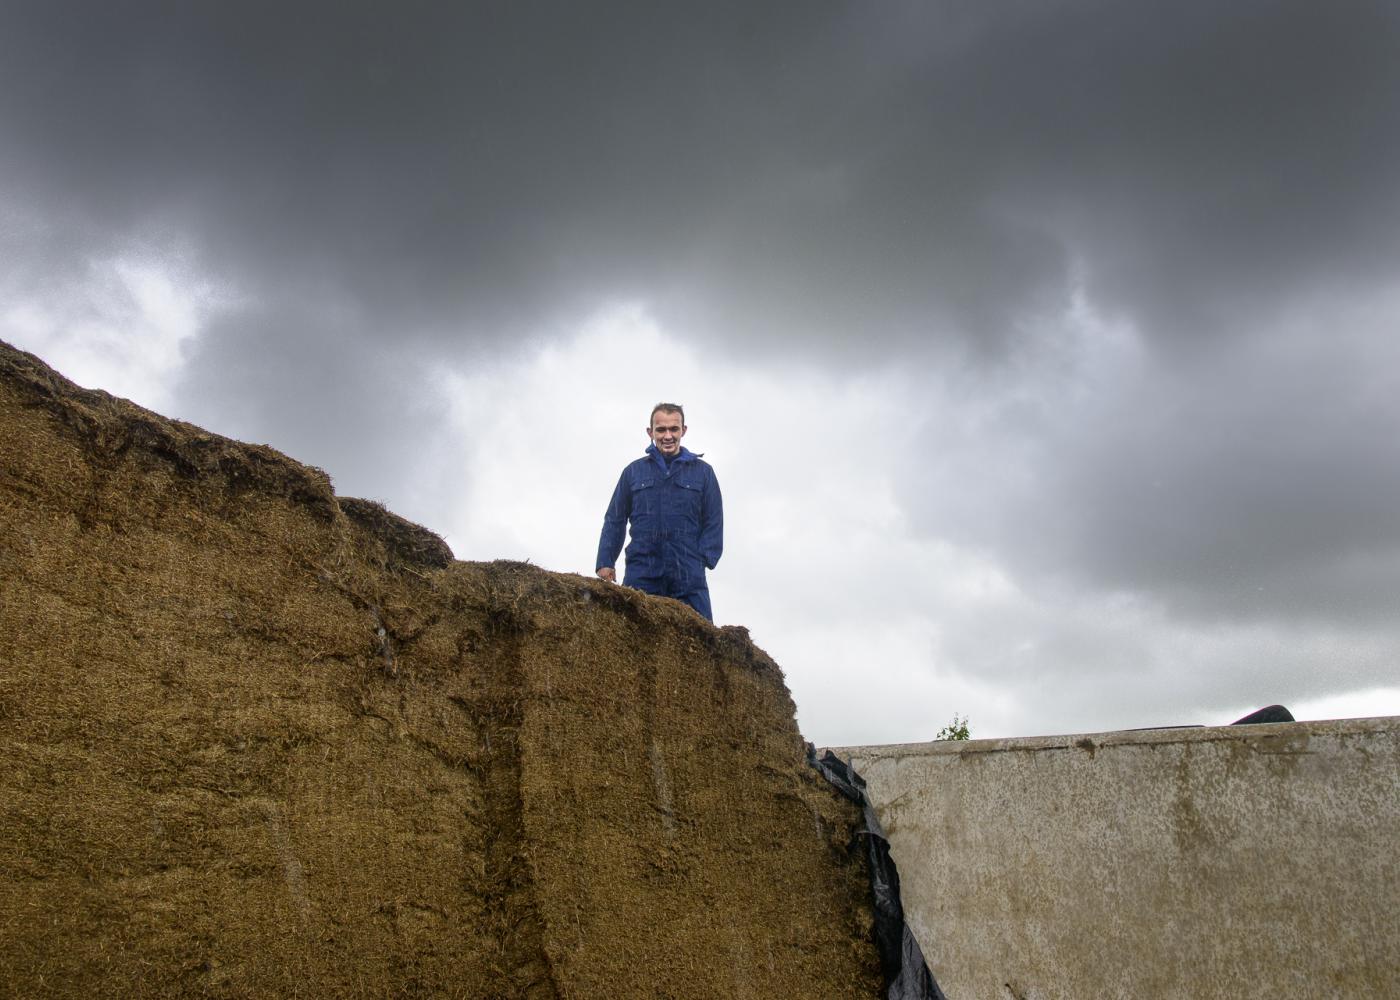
1245 861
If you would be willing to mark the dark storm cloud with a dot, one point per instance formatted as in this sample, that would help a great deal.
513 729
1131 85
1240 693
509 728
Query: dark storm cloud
794 172
431 163
1261 484
1261 487
284 376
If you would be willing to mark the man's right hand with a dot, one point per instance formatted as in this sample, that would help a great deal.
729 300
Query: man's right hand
608 573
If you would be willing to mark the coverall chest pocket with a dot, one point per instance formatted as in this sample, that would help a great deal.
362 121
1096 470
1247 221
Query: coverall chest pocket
688 494
643 498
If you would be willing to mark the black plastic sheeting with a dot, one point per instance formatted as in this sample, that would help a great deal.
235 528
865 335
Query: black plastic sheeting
1273 713
906 973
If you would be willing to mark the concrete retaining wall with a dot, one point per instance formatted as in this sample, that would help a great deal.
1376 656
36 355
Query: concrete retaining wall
1245 861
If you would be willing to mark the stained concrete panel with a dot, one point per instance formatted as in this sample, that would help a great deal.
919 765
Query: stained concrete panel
1242 861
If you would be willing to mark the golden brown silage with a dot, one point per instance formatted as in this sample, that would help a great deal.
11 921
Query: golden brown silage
258 740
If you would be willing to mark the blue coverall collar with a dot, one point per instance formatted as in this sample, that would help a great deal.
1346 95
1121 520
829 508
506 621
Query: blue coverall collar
686 455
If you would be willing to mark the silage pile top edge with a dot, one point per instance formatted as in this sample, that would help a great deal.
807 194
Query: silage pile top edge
109 428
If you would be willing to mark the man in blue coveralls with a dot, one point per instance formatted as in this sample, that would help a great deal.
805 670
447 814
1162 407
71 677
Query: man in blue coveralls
671 497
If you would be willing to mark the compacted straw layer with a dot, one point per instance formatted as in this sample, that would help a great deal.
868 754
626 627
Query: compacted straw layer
260 740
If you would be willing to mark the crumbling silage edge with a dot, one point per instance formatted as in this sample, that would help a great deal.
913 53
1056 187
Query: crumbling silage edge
109 427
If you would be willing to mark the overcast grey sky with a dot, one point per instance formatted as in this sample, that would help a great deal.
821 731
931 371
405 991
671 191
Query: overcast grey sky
1047 352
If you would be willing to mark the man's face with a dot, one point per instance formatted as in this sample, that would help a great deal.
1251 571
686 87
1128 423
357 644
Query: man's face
666 431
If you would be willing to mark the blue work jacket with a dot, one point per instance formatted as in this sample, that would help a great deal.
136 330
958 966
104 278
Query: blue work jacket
677 520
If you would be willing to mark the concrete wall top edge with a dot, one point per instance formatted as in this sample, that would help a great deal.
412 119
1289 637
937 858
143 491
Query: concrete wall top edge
1126 737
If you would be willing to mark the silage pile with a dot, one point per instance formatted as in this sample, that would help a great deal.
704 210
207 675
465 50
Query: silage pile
258 740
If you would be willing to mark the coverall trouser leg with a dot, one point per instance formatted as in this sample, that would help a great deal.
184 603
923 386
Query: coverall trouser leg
697 599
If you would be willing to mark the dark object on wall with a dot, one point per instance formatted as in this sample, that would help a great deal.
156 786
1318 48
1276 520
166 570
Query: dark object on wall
902 960
1273 713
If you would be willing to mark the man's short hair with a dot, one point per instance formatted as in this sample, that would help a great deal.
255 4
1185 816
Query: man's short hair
666 408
